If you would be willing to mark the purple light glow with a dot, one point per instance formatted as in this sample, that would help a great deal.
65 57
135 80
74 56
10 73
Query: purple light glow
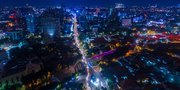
103 54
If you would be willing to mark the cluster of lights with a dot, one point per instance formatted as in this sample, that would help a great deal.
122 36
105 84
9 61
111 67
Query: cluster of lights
81 50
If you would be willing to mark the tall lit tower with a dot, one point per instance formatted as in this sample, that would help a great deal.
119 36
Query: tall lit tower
51 24
30 23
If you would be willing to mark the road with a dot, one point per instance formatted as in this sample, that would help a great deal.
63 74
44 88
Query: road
82 51
89 83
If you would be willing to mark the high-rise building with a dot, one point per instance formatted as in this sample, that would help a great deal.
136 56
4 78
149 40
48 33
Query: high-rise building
15 35
30 23
110 11
51 24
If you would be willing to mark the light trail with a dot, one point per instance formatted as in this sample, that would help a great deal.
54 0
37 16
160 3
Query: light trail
103 54
84 59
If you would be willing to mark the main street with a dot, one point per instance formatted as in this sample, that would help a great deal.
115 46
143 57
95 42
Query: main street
81 49
90 84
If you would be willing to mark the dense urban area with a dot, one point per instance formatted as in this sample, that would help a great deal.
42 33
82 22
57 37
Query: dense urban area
115 48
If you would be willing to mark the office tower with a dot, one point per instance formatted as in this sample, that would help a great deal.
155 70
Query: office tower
30 23
51 24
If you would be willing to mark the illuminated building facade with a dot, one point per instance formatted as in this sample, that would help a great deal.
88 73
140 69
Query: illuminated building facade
14 35
30 23
126 22
11 35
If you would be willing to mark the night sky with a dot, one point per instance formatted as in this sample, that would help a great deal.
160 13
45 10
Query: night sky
74 3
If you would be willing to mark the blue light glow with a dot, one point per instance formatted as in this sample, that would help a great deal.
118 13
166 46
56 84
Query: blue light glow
51 32
77 11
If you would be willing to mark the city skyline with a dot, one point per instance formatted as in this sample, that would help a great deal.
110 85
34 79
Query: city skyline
89 45
93 3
